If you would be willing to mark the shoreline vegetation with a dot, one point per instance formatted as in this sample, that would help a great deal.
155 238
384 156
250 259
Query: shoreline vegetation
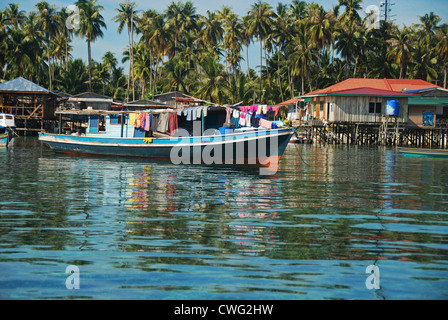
302 48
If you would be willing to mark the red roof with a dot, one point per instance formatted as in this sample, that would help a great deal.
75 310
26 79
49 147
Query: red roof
370 92
290 102
389 85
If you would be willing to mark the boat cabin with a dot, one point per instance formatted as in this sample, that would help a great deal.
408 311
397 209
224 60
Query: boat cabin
6 121
140 124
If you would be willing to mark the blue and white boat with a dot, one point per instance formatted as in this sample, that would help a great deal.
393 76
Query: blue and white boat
7 128
197 135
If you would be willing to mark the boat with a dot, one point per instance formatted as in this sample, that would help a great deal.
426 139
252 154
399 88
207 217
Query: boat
7 128
420 152
299 139
194 135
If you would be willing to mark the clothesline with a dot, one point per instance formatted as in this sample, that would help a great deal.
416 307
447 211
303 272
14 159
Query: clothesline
245 116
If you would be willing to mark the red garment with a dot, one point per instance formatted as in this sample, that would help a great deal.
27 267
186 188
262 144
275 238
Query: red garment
172 123
142 120
275 110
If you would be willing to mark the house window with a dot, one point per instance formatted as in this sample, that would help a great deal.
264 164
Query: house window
115 119
321 109
375 107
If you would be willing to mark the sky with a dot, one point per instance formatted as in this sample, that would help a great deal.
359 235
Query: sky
405 12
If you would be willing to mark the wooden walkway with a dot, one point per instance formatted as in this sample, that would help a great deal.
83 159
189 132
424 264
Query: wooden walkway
384 134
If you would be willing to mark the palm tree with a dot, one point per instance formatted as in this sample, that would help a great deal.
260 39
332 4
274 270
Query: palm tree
429 26
212 31
442 47
303 55
282 35
232 40
18 55
259 25
400 48
214 84
13 16
90 24
34 35
173 20
351 10
346 44
128 16
320 29
156 35
67 33
246 39
49 22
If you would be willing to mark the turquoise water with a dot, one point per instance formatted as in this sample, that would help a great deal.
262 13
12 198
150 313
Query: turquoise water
140 229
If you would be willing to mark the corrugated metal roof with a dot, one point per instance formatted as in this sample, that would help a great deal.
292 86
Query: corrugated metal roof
363 92
290 101
22 85
394 85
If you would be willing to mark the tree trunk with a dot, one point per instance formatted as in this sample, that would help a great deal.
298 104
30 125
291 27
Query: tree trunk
247 59
279 78
90 64
132 56
49 65
261 62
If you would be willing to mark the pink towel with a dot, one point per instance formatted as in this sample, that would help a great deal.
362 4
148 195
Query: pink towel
265 124
147 123
229 112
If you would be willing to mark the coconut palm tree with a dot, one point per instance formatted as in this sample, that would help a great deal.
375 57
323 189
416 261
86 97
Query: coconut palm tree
400 48
260 23
213 86
49 22
90 24
128 16
442 48
304 53
212 31
157 36
13 16
351 10
429 26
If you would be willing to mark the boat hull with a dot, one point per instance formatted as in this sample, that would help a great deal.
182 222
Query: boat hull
261 147
418 152
5 138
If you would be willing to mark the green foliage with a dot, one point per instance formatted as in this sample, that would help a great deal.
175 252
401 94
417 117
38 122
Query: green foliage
303 47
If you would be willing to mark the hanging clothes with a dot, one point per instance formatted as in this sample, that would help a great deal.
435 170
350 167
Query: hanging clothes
204 111
275 109
137 120
255 121
228 114
131 119
147 122
248 118
154 122
235 118
242 121
142 120
172 123
162 126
